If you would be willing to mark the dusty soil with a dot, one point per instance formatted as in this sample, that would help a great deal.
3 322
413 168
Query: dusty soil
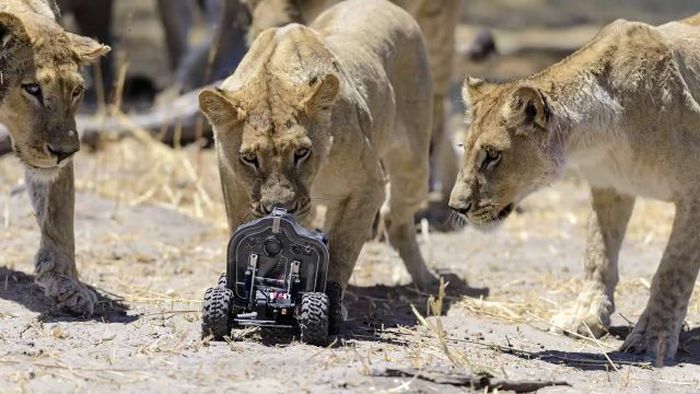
151 237
151 249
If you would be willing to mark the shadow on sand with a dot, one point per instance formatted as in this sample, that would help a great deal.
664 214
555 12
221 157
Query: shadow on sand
375 308
20 288
688 353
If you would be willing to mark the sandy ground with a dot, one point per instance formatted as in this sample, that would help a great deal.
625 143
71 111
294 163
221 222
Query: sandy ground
151 237
151 249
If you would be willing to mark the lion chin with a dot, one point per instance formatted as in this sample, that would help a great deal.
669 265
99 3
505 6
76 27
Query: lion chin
42 174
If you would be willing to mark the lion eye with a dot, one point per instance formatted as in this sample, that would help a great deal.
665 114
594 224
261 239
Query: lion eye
489 159
250 159
77 91
33 89
301 154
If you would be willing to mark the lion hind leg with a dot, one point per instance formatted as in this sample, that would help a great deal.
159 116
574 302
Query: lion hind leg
656 332
408 187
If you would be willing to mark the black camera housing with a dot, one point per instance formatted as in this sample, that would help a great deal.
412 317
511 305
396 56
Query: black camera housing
276 273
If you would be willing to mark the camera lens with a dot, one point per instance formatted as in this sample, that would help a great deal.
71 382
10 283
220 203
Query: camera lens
272 246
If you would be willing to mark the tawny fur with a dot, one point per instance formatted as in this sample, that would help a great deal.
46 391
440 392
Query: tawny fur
625 111
34 49
438 22
353 89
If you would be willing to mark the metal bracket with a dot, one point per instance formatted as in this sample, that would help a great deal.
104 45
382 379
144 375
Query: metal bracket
253 263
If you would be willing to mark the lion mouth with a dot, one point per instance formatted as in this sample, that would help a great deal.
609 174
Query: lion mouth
36 166
504 213
491 218
300 210
40 168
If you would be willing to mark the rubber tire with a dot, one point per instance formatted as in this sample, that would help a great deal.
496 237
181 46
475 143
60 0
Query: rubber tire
216 313
234 310
313 320
335 313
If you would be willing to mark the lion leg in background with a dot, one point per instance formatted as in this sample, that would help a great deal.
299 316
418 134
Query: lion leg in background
656 332
347 223
226 20
53 203
438 20
176 19
444 162
94 19
606 230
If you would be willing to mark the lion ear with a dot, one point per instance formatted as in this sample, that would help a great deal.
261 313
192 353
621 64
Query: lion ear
11 31
87 49
322 94
473 89
219 109
530 107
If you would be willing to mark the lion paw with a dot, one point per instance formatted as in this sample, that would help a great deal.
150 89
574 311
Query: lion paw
427 282
592 311
659 345
568 322
69 294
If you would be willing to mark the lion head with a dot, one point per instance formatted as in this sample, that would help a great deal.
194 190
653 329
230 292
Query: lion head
41 88
508 149
273 133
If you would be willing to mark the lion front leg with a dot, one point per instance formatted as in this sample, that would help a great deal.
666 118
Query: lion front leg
656 332
53 203
236 200
347 226
606 230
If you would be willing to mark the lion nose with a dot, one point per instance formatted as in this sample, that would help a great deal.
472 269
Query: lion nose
289 206
461 206
464 210
62 151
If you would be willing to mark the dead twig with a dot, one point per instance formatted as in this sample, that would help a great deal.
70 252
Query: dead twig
477 381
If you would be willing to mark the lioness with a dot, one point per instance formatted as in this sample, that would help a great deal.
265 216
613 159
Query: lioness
40 90
317 115
624 109
437 20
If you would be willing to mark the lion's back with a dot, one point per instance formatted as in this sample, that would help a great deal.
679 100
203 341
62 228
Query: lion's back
382 48
637 56
374 40
375 25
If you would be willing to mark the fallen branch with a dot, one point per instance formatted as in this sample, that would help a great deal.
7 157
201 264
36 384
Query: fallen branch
174 123
576 361
478 381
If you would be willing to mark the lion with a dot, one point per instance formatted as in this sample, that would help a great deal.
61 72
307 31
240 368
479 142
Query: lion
625 111
317 116
40 90
438 21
